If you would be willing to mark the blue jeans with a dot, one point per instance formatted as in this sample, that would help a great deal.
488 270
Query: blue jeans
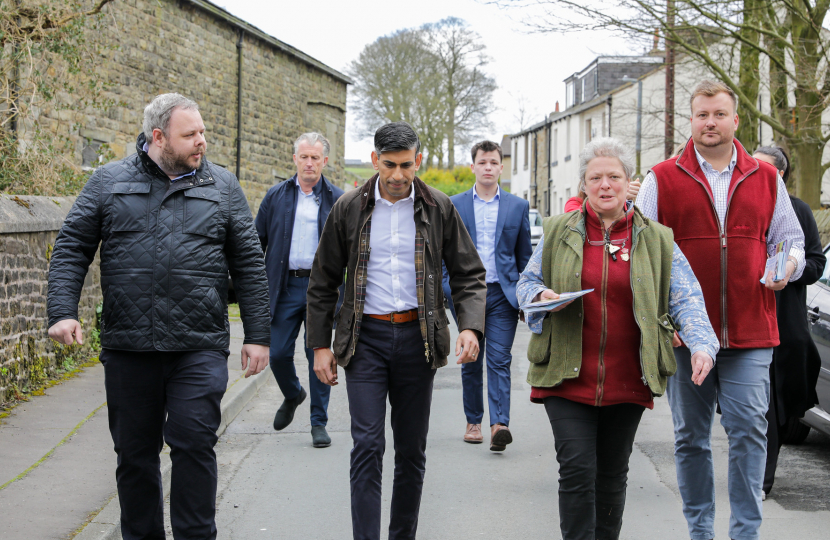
739 382
500 322
285 327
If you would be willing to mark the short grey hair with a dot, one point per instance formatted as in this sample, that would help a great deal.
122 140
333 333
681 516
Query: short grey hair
605 147
313 138
157 114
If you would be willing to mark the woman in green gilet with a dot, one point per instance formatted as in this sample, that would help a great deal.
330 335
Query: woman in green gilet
598 361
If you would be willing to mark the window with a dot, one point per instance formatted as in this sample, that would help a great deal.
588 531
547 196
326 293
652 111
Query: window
91 155
525 150
568 194
555 144
569 95
604 134
568 139
561 206
588 131
516 156
547 203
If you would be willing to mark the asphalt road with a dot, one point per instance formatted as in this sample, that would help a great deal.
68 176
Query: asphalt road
275 485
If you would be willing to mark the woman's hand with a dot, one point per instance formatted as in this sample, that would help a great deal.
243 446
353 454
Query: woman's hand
548 294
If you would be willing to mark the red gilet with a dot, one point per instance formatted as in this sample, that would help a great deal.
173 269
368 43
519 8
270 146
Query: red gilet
728 266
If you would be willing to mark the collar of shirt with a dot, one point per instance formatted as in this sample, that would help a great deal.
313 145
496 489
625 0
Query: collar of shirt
498 194
706 166
185 175
388 203
315 191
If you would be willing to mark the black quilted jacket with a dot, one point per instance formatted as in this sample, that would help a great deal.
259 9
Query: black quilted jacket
166 249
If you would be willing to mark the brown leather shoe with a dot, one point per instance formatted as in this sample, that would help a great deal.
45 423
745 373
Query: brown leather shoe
500 437
473 434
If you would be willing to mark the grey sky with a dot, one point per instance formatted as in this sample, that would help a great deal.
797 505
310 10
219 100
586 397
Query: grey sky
334 32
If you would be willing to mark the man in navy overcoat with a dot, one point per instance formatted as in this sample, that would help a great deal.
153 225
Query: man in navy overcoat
499 225
289 223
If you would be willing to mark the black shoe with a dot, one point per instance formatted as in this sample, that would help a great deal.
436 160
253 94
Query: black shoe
285 414
319 437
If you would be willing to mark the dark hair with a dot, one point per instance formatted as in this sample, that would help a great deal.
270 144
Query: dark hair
396 136
486 146
782 160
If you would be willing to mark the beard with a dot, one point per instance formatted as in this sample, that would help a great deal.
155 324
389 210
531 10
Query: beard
710 143
177 164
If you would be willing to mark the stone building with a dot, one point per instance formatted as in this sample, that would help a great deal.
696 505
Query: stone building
229 67
256 95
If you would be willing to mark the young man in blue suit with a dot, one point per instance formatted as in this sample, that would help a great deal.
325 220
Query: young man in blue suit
499 225
289 223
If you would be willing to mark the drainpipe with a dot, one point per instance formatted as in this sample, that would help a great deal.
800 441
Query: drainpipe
239 103
548 204
639 141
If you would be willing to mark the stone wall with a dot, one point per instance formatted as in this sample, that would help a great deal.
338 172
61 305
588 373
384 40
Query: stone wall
191 47
28 228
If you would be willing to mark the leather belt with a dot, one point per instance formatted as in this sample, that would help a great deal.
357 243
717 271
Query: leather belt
299 273
397 317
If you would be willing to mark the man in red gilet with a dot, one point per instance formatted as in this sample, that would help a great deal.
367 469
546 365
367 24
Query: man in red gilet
727 211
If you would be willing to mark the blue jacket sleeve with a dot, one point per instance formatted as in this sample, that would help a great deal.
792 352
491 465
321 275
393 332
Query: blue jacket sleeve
687 308
530 284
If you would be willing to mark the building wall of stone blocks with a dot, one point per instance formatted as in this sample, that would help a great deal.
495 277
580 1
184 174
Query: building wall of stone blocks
190 47
28 228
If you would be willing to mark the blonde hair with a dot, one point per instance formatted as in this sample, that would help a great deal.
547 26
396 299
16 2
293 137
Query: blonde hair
712 88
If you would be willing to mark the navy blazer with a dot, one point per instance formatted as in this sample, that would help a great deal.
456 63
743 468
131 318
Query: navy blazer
513 248
275 225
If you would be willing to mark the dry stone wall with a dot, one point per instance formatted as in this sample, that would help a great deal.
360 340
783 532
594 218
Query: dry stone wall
28 228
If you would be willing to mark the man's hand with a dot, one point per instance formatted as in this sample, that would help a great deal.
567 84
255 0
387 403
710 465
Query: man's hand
702 364
778 285
633 190
258 356
67 331
548 294
467 346
325 366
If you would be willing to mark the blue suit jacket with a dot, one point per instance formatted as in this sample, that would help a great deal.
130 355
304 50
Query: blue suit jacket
513 248
275 225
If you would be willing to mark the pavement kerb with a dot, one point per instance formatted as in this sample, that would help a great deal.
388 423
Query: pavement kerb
106 525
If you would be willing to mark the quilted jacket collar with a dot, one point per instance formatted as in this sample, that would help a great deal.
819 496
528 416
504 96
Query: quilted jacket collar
367 192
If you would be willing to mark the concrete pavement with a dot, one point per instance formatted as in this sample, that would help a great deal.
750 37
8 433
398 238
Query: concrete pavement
57 465
275 485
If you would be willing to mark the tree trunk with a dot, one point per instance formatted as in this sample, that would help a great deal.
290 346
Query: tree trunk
748 74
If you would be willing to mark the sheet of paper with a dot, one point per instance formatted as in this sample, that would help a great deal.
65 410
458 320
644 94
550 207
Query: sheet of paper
547 305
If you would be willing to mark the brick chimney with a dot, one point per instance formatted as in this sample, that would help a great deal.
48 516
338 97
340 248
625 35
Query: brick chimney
557 107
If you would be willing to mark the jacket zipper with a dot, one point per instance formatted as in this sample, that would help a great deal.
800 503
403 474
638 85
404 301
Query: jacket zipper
604 334
634 305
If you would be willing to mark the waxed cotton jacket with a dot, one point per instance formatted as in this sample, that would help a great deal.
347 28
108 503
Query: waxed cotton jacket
344 243
166 250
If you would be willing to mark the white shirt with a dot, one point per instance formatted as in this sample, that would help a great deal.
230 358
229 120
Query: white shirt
784 224
486 216
390 273
304 237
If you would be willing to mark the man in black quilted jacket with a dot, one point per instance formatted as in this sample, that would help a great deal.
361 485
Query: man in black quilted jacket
171 226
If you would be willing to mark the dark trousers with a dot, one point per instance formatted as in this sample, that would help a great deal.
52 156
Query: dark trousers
173 397
500 322
285 327
593 445
389 361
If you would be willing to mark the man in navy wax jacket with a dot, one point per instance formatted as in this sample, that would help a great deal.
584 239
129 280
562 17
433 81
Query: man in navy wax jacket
499 225
289 223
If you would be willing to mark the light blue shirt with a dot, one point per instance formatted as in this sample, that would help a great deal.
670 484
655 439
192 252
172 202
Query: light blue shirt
487 213
185 175
304 237
390 273
686 304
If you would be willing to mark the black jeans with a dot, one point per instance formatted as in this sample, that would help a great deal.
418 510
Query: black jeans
593 445
153 397
389 361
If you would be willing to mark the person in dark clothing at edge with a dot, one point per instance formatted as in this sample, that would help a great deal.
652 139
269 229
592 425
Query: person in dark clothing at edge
795 362
391 235
171 225
289 223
